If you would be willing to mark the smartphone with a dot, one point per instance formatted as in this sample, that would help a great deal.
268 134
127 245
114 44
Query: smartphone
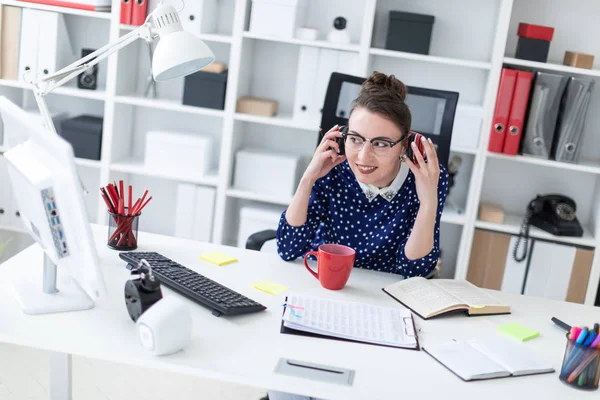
418 139
340 140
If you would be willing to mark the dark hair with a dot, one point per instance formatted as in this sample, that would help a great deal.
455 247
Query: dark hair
385 95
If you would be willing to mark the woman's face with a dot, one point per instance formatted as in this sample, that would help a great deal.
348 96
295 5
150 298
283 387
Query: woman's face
378 167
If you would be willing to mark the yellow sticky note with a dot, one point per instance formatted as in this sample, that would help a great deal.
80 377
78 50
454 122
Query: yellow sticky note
270 287
518 331
218 258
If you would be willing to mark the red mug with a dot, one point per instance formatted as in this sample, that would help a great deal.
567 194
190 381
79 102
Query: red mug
334 264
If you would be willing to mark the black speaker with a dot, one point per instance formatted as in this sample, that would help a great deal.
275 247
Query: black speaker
89 78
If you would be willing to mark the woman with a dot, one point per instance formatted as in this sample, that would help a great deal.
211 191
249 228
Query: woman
374 199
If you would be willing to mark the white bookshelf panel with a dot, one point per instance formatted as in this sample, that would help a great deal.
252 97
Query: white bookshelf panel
457 196
91 180
469 83
513 187
132 124
71 106
464 31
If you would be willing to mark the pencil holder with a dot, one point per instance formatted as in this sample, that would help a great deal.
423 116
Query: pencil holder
123 231
581 366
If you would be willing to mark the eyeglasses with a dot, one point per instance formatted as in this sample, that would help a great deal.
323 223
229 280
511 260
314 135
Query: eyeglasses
355 142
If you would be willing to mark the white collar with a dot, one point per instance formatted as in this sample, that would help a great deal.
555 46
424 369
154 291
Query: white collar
388 193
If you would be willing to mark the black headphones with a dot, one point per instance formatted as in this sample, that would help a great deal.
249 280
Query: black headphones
143 291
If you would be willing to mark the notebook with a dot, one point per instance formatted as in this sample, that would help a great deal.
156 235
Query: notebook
431 297
488 358
350 321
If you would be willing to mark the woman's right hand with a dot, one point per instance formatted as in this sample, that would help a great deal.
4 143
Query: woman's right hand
325 158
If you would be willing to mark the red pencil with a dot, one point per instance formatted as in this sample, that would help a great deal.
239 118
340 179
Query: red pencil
129 199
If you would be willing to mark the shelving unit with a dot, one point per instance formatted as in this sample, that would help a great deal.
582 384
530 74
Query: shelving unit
471 43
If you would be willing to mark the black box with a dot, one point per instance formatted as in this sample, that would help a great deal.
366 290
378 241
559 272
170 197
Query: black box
205 89
532 49
409 32
84 132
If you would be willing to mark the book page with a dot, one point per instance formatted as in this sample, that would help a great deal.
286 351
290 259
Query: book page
468 293
349 320
512 356
422 296
466 361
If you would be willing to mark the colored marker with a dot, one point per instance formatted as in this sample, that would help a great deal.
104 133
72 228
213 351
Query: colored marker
590 338
576 333
582 335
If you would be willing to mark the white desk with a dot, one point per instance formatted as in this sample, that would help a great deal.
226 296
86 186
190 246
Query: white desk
245 349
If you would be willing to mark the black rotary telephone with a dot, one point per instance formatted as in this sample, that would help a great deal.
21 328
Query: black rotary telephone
552 213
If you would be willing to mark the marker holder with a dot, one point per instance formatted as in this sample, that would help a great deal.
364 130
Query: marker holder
123 231
576 357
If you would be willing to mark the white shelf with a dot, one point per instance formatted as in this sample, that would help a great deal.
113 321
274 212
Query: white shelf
169 105
585 166
512 225
13 229
551 67
136 166
285 121
209 37
463 150
432 59
314 43
83 162
64 10
63 90
451 216
15 84
266 198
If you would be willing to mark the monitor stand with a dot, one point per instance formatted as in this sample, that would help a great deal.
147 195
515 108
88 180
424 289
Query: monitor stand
50 299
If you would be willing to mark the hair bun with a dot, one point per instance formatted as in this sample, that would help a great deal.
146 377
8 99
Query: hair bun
378 81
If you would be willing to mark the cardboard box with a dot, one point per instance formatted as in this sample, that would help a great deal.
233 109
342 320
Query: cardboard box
579 60
215 67
489 212
257 106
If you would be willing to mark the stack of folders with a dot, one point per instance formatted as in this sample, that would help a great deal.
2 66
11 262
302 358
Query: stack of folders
541 114
488 358
349 321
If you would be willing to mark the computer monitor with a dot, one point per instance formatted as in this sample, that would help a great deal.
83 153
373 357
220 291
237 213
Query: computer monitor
49 195
432 110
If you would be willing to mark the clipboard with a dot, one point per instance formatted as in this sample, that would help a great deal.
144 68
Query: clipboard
290 331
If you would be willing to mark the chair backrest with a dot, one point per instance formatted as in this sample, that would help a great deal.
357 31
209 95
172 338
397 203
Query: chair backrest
432 110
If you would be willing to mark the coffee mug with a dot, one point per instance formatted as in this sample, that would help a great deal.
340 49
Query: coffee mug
334 264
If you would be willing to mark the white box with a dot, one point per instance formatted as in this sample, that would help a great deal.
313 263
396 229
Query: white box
264 172
254 219
278 18
467 127
179 153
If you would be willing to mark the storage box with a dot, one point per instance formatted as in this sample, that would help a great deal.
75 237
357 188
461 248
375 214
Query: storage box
277 17
85 135
467 127
179 153
254 219
257 106
409 32
489 212
534 42
205 89
267 172
579 60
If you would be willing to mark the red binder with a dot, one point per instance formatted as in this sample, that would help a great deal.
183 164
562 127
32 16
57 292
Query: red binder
138 15
502 111
518 108
126 11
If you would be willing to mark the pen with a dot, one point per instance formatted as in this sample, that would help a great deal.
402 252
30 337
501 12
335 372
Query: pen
562 324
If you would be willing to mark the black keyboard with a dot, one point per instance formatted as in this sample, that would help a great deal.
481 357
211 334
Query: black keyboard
194 286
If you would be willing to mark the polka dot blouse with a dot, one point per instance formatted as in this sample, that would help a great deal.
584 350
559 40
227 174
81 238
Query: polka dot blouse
340 212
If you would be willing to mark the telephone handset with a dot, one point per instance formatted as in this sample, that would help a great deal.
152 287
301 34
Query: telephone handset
552 213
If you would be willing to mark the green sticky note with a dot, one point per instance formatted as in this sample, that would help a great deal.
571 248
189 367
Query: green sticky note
518 331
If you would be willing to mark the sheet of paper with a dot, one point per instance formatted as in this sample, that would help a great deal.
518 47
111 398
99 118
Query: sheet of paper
217 258
349 320
270 287
468 293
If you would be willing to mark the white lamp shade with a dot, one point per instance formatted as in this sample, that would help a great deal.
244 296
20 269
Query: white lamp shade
178 54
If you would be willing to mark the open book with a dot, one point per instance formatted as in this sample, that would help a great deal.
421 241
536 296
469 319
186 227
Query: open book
488 358
431 297
357 322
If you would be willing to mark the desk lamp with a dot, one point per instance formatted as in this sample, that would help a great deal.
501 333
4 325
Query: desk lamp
178 53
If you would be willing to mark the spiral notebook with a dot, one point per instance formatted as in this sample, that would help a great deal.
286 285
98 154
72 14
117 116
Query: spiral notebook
349 321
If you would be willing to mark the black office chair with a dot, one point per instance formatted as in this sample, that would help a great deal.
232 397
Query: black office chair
432 114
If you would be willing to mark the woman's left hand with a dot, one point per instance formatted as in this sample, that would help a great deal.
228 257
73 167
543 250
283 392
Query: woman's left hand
427 174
